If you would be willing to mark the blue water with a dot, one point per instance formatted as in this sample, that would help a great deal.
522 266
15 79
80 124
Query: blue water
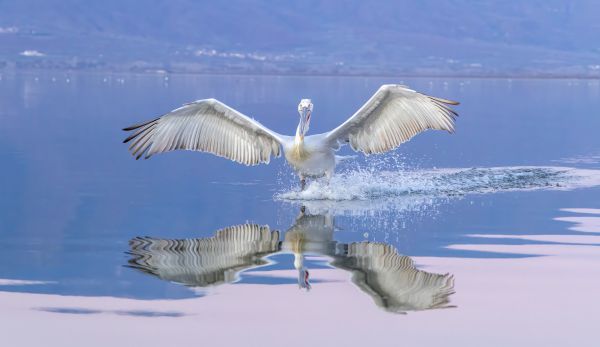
72 197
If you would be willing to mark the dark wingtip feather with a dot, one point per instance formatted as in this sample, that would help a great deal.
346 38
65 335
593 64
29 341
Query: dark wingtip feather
133 127
140 132
445 101
129 138
449 102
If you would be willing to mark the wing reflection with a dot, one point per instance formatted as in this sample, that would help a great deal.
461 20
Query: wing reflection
208 261
391 279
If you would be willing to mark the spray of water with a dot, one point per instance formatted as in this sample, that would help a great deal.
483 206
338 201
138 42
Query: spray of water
404 187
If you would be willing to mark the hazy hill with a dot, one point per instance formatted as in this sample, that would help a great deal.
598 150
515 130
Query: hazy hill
552 37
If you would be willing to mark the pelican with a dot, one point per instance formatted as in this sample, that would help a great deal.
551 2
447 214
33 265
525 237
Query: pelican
392 116
391 279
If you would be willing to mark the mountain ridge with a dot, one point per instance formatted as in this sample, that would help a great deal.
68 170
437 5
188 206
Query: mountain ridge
458 37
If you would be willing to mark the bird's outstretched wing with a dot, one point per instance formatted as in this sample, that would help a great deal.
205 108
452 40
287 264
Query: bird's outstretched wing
206 261
393 115
207 126
392 280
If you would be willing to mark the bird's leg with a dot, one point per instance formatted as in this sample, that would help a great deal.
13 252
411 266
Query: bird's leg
328 175
302 183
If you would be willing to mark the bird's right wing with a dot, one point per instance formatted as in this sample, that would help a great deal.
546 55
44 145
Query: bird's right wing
207 126
206 261
392 280
392 116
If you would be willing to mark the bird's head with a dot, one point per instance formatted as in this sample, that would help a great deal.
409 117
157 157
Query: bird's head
304 279
305 108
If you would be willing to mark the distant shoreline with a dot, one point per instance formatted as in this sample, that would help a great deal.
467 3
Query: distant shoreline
540 76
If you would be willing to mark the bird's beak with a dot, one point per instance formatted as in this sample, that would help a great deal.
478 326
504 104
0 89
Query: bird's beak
304 120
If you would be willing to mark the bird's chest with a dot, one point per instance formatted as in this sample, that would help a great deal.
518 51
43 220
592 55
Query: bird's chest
298 153
309 161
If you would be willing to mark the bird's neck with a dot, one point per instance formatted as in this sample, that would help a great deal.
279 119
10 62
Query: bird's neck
299 143
298 260
299 139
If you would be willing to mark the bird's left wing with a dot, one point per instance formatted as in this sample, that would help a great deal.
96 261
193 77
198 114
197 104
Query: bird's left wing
207 261
393 115
207 126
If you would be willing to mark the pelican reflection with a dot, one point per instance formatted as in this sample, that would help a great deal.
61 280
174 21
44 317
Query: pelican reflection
391 279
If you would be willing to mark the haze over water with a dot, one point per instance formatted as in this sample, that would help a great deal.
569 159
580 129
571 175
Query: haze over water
486 237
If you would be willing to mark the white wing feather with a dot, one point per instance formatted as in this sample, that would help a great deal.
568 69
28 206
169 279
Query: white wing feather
392 116
206 126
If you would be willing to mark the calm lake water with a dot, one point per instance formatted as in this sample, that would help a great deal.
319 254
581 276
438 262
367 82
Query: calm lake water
485 237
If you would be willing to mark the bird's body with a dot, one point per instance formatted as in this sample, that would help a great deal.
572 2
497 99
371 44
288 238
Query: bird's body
311 157
393 115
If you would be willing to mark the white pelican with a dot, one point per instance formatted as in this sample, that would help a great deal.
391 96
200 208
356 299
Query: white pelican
391 279
393 115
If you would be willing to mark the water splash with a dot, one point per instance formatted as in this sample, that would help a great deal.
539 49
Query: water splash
366 189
